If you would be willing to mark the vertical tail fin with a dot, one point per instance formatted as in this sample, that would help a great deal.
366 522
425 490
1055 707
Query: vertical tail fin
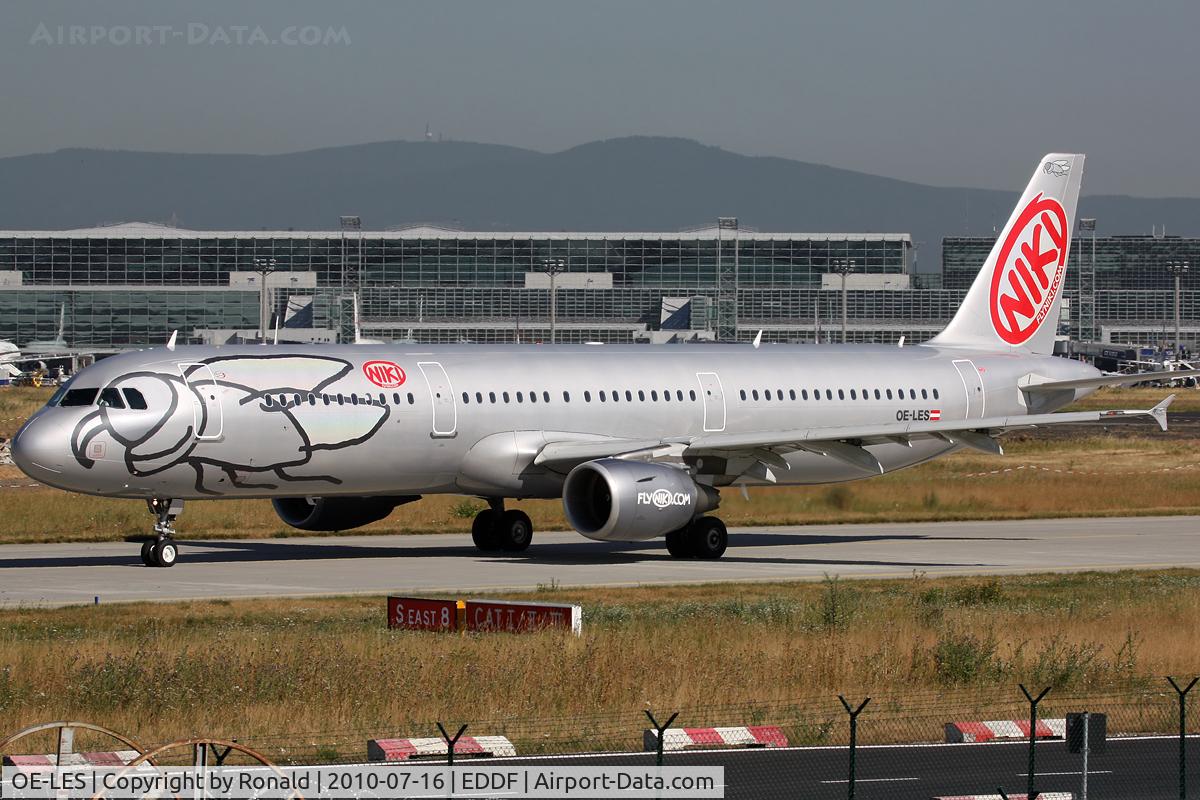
1014 301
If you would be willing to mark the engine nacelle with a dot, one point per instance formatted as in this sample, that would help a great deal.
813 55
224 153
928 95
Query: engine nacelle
631 501
336 513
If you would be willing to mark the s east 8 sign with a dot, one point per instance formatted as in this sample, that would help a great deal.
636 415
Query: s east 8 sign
419 614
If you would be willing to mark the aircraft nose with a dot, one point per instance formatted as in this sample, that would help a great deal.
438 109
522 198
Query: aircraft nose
39 449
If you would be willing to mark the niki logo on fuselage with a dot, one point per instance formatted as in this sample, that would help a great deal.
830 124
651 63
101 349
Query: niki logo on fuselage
384 374
1029 270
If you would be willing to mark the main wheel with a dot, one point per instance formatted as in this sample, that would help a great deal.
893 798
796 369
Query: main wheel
485 530
677 544
166 553
708 538
148 557
516 531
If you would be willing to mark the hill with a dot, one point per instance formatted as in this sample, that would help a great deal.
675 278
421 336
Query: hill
629 184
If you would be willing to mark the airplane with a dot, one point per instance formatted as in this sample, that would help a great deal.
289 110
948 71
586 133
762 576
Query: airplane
638 441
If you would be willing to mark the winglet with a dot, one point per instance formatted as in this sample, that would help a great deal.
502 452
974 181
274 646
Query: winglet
757 340
171 341
1159 412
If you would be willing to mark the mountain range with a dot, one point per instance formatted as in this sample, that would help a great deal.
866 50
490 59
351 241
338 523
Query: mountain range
628 184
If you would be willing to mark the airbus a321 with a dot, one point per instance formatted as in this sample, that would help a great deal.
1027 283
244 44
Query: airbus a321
637 441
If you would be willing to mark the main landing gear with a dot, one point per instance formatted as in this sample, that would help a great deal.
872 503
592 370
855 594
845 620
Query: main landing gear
495 529
705 537
162 551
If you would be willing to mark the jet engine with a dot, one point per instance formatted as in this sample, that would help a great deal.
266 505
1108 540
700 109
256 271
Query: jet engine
336 513
631 501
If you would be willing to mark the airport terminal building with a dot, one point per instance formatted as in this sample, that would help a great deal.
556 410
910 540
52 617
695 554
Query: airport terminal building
132 284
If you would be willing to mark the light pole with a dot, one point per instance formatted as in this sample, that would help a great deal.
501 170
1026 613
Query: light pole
553 266
1178 269
844 266
264 267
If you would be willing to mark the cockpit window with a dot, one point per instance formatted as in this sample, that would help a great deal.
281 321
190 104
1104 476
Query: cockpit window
135 399
78 397
111 398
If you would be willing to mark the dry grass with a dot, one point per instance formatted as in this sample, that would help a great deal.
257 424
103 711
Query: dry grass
1087 475
328 675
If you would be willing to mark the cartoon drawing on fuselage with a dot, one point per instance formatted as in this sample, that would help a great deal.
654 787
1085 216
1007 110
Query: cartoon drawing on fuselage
638 441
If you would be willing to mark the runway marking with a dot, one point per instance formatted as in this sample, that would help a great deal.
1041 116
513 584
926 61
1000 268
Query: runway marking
1077 772
883 780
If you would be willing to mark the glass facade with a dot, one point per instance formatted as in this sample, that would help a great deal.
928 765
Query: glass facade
132 284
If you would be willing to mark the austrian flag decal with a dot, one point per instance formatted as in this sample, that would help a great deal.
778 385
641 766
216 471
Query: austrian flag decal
935 415
1029 271
384 374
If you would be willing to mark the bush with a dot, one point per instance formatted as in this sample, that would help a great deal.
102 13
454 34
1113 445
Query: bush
963 658
465 509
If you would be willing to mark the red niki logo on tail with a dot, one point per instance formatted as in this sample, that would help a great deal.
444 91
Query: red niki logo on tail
385 374
1029 271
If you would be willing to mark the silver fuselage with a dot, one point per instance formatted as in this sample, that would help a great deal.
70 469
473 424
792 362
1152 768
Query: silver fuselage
282 421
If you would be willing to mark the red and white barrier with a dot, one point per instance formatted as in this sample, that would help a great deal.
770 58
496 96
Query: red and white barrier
1038 796
745 736
1004 730
435 747
41 763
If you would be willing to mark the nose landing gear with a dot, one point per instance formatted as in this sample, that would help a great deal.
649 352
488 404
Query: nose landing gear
162 551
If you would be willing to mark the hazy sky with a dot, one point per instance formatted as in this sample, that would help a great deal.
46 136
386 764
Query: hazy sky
949 93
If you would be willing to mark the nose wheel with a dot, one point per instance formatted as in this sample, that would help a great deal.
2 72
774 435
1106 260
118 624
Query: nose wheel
162 551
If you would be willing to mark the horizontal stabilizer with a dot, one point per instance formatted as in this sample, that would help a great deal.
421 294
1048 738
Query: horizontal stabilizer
1113 380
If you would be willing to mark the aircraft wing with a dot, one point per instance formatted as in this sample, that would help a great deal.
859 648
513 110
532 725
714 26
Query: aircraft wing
844 443
1122 379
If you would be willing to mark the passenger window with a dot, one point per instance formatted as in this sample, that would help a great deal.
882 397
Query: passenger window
628 396
587 397
395 398
505 396
325 397
829 394
792 393
566 396
679 395
654 395
545 396
520 398
804 394
533 397
743 394
479 397
876 394
353 399
912 394
110 398
841 394
603 397
924 394
616 396
692 394
853 395
754 393
411 399
935 394
298 400
889 394
641 395
466 399
667 395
